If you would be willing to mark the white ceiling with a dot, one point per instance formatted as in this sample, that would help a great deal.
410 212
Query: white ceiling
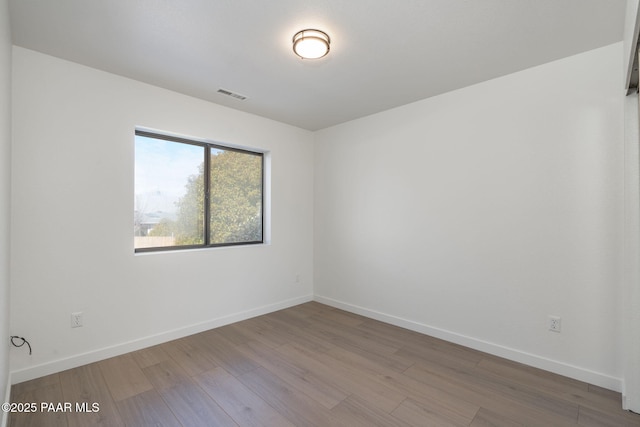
383 54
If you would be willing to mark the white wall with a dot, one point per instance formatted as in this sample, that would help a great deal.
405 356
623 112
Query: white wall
72 213
5 188
474 215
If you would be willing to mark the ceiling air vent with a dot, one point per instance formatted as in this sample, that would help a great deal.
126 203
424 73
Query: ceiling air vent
232 94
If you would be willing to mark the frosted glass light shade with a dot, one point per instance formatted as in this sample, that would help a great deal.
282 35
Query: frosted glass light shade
311 44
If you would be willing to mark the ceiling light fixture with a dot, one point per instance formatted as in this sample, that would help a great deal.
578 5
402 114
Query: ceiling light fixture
311 44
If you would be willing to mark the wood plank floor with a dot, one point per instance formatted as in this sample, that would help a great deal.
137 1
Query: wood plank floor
313 365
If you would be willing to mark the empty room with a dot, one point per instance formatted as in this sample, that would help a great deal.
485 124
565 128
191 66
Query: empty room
319 213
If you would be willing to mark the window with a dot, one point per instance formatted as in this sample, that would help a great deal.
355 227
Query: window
192 194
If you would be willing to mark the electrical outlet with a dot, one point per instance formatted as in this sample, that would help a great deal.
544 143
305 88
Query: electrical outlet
555 323
76 319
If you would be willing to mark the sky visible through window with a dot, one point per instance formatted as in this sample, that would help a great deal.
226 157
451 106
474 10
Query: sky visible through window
162 169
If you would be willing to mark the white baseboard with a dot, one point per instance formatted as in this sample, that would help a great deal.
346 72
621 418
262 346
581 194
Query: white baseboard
560 368
31 372
536 361
4 418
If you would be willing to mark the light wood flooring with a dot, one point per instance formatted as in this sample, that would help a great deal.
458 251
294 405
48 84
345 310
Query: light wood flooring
313 365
